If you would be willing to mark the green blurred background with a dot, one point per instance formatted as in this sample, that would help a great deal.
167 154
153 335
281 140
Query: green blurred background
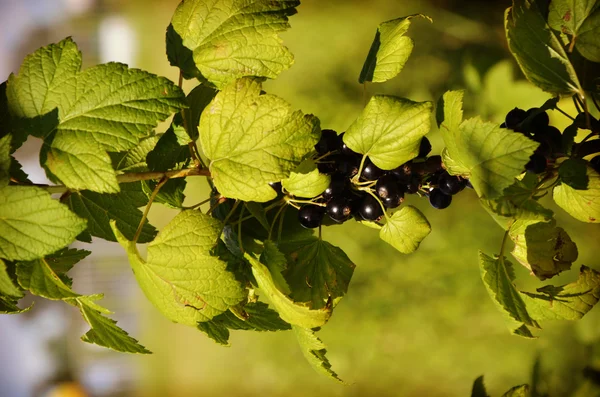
410 325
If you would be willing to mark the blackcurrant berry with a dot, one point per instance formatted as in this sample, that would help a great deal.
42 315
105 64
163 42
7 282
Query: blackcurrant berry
343 148
327 166
336 187
551 135
348 165
537 163
503 125
370 171
387 186
393 201
450 184
413 185
515 117
369 208
424 147
438 199
538 121
595 163
339 209
311 216
327 143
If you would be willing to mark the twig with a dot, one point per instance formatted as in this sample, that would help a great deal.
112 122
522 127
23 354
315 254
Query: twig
147 209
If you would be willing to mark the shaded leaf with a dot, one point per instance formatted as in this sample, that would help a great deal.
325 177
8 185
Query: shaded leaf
583 205
314 351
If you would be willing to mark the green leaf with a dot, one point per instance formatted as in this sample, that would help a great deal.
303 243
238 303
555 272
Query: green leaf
179 276
105 332
32 224
588 40
5 160
390 50
318 272
83 114
134 160
215 331
567 16
573 172
518 391
275 260
230 39
490 156
38 277
100 209
479 388
542 247
389 130
538 49
314 351
63 260
197 100
289 311
257 211
583 205
518 202
8 289
405 229
254 317
306 181
567 302
253 139
498 276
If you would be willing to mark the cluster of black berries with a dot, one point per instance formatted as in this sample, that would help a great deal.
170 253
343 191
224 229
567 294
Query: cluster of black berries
341 200
534 124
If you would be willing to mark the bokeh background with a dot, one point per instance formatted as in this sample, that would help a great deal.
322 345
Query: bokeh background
416 325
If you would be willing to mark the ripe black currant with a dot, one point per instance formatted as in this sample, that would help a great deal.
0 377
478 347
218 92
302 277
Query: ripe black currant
413 185
339 209
336 187
343 148
595 163
348 165
515 117
551 135
450 184
327 143
438 199
537 163
387 186
370 171
538 121
393 201
424 147
327 165
311 216
369 208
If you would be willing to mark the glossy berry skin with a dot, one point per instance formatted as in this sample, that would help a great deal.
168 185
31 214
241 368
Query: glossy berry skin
370 171
388 186
327 166
339 209
393 201
413 185
348 165
336 187
595 163
343 148
515 117
537 163
450 184
424 147
328 142
369 208
438 199
310 216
